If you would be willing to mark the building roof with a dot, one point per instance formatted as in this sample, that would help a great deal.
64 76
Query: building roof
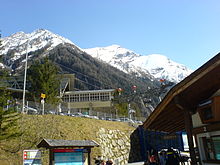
54 143
90 91
168 116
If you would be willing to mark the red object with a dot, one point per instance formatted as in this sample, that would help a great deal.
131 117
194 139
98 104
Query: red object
63 150
153 159
68 150
25 155
162 80
134 87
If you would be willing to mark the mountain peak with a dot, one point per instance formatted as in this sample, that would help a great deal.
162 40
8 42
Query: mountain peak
41 30
38 39
128 61
114 46
114 55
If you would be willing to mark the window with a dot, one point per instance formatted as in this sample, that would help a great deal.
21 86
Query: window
74 98
66 98
94 97
84 97
207 113
104 96
212 147
216 144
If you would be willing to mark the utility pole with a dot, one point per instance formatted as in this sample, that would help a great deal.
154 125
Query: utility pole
25 77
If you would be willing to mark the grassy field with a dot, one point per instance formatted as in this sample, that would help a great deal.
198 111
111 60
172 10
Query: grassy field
37 127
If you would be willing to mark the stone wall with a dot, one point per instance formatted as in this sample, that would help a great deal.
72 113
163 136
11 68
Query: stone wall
114 145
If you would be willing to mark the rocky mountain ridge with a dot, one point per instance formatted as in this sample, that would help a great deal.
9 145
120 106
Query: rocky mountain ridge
154 66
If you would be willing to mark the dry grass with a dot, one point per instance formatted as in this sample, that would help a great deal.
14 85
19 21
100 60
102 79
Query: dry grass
35 128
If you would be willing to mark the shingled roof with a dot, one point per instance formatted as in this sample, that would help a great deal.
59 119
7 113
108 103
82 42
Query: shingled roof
54 143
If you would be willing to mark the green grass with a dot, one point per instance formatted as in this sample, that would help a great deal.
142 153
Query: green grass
35 128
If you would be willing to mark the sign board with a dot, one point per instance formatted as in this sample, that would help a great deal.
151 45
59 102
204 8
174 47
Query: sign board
43 95
68 156
31 157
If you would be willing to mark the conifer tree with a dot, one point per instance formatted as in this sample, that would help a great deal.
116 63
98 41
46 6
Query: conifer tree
43 78
8 116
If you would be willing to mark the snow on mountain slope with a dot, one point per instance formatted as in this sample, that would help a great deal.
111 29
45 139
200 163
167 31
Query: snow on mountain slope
116 56
158 66
126 60
38 39
162 67
111 53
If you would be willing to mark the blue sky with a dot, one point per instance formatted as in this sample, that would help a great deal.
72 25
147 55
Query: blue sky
186 31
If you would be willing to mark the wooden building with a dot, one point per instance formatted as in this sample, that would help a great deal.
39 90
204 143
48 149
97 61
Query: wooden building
193 106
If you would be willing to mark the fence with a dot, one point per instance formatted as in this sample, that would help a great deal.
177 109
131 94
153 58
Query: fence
36 108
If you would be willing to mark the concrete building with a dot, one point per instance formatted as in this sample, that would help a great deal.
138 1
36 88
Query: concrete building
88 99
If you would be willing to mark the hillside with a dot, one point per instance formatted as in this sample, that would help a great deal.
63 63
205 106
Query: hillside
91 73
35 128
101 75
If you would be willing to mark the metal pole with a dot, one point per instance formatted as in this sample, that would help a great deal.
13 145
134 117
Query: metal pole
25 76
27 107
42 102
129 105
43 107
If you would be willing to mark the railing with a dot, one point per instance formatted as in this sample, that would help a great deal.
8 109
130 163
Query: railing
35 108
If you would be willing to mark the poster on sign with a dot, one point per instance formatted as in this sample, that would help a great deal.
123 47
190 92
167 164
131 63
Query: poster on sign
69 156
32 157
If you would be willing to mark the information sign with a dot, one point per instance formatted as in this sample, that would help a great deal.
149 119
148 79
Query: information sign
43 96
68 158
31 157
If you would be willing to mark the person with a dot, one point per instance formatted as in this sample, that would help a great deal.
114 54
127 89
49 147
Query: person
172 157
102 162
153 157
98 160
162 158
109 162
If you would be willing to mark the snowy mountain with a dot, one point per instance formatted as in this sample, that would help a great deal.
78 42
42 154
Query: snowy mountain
14 48
16 45
37 40
115 56
91 73
128 61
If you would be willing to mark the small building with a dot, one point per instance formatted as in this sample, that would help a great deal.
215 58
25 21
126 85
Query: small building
193 106
83 99
88 99
75 152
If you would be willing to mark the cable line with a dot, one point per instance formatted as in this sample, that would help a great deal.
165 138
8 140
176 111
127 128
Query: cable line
86 76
